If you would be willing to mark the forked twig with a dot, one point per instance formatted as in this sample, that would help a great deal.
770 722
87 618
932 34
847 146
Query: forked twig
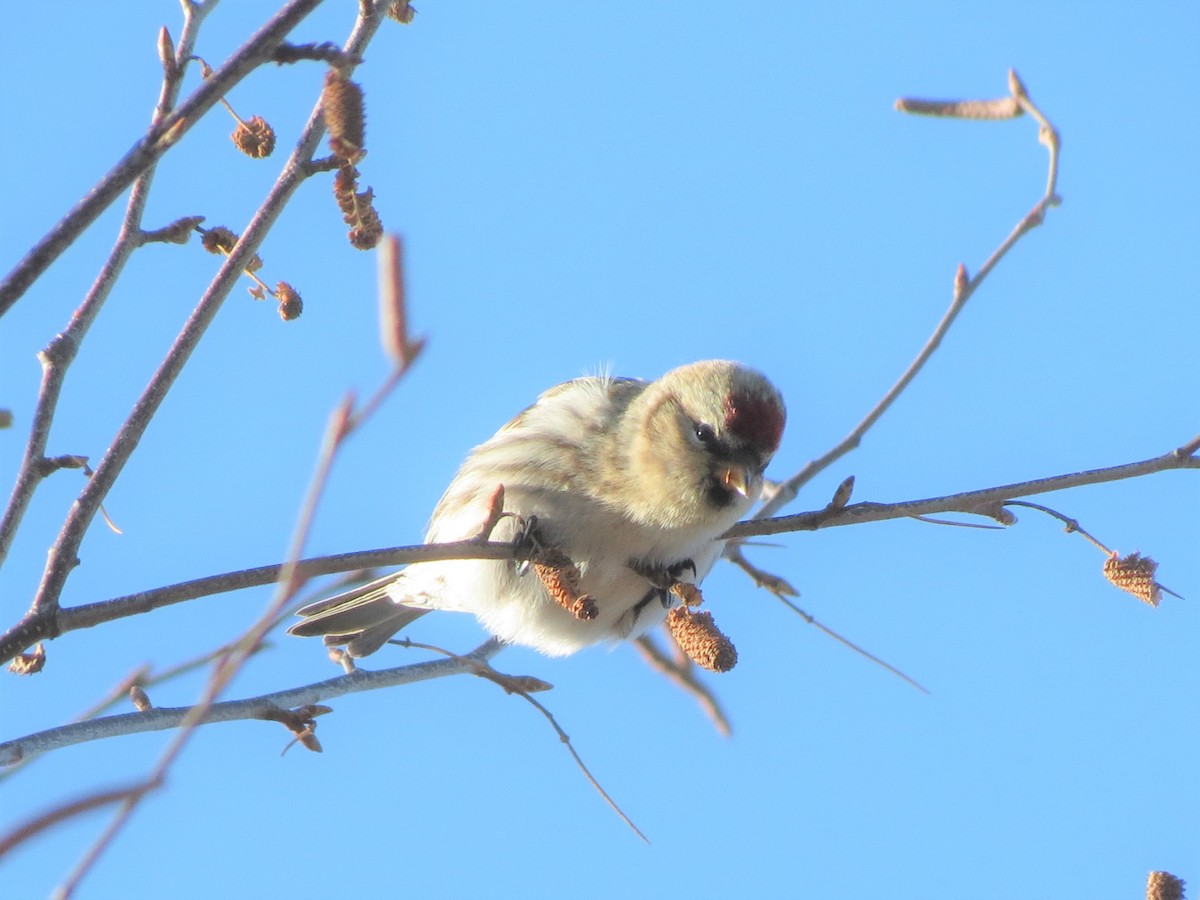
163 134
681 671
246 709
964 288
520 686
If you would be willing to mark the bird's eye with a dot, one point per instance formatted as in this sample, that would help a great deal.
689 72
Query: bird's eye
705 434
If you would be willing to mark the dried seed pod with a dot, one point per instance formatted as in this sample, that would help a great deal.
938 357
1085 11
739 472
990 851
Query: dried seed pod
342 106
1134 574
1164 886
255 138
401 12
687 593
290 304
29 663
560 577
367 235
219 239
358 210
699 637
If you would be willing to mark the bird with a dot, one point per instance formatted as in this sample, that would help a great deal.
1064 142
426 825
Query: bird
632 481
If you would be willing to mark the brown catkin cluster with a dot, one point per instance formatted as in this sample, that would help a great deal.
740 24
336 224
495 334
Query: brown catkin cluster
290 304
561 579
29 663
1164 886
688 593
358 209
1134 574
699 637
345 119
255 138
220 239
400 11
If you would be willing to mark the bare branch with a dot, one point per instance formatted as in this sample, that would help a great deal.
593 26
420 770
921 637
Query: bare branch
38 824
523 686
966 502
28 631
964 288
57 357
681 671
63 553
849 643
158 140
162 719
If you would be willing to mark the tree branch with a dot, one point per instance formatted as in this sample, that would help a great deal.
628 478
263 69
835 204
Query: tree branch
157 141
62 556
250 708
966 502
58 355
964 289
28 631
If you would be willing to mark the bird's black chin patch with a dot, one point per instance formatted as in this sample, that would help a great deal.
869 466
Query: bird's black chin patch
719 494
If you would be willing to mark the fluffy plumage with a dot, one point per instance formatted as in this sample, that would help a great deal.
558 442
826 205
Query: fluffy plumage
616 471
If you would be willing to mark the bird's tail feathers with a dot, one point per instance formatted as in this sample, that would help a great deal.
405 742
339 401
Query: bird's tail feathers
363 618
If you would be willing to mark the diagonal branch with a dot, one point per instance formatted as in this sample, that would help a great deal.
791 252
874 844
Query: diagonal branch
57 357
964 289
157 141
63 553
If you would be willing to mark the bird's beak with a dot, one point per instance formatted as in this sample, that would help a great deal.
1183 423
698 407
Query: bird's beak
739 479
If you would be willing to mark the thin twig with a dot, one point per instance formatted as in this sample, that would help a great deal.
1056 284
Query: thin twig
965 502
165 718
142 677
782 590
853 646
366 23
58 355
514 686
160 138
63 552
681 672
964 288
1072 524
63 812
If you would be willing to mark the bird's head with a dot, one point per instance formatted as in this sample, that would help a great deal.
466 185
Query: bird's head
699 439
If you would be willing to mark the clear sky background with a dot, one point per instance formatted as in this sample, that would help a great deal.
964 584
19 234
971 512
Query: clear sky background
638 186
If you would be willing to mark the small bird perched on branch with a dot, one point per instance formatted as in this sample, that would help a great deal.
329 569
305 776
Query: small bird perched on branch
628 484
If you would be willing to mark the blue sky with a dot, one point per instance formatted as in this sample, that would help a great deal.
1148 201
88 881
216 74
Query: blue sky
637 187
